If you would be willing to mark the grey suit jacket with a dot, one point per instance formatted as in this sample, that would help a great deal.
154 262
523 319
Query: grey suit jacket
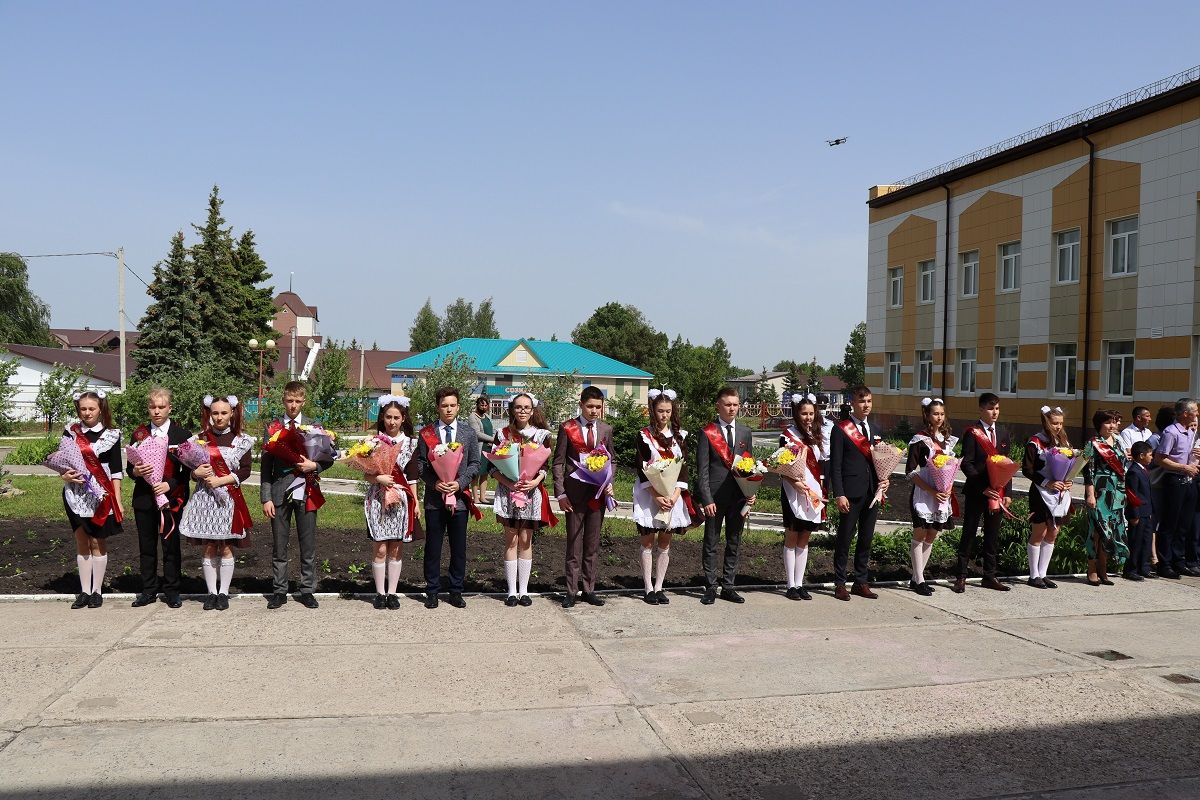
714 481
467 470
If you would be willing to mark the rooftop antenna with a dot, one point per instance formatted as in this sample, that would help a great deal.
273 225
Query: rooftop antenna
290 276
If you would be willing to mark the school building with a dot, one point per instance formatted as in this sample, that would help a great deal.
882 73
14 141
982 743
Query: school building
1057 267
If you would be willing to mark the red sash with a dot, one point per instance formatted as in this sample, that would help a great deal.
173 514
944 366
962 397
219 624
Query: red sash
1114 463
166 522
109 504
574 432
241 514
719 444
855 435
685 495
429 435
984 441
547 512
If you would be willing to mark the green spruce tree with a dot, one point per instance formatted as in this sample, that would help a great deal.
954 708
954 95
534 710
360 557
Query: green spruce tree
256 310
425 333
485 321
172 333
221 296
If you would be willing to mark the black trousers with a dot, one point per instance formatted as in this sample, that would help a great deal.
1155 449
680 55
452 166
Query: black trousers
1178 521
862 519
976 508
441 524
729 513
148 543
1138 537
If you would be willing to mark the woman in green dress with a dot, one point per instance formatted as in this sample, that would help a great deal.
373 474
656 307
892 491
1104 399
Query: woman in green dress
1104 484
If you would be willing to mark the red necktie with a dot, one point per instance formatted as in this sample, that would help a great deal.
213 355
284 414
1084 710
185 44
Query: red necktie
992 435
292 424
591 437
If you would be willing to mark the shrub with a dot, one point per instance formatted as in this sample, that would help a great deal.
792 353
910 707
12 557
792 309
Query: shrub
33 451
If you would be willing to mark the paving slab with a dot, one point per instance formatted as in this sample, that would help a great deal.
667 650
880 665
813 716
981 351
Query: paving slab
337 621
32 676
977 740
774 662
631 618
1169 789
145 683
1122 640
54 624
1071 598
561 753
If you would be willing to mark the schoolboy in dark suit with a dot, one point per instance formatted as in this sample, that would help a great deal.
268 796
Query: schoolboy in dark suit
980 442
853 484
722 442
1140 516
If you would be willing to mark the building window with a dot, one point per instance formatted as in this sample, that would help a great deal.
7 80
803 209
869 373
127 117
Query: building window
1010 267
966 370
970 273
1067 249
1064 367
1006 369
925 370
893 360
926 270
896 287
1120 369
1122 246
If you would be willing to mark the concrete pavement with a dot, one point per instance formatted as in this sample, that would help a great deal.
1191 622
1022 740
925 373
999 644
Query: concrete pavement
1071 693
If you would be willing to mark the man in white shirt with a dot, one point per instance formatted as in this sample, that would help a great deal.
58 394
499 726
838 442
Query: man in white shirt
1138 430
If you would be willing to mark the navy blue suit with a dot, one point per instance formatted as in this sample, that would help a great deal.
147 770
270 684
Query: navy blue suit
1140 519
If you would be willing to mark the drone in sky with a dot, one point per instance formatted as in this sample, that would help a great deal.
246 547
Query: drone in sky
836 142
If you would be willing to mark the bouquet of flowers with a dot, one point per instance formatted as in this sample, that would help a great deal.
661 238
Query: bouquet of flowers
506 458
375 456
596 467
292 446
884 458
445 458
1062 464
69 457
151 451
1000 471
662 475
533 457
790 462
939 472
749 473
195 454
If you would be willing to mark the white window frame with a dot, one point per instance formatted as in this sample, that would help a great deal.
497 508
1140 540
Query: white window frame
966 369
895 287
1009 261
1127 243
1070 370
924 382
1123 362
893 367
968 266
926 277
1007 367
1071 249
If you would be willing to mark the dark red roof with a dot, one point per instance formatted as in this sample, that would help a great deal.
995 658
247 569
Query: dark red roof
103 366
297 306
91 337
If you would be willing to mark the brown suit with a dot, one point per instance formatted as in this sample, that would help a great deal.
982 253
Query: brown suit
583 524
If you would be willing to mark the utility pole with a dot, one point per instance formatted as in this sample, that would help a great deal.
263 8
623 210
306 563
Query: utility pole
121 309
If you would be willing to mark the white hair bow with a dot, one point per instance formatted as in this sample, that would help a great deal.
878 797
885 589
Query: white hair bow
928 401
398 399
77 396
667 393
810 397
1048 409
532 398
229 398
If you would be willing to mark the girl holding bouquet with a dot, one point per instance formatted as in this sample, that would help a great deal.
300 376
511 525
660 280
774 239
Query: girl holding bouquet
1049 501
391 526
931 508
521 517
800 516
1104 479
216 516
92 495
660 515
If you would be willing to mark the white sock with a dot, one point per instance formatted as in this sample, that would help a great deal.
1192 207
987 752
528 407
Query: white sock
85 572
226 575
99 564
393 575
801 565
210 574
379 573
1044 559
660 569
524 567
648 568
510 572
914 555
789 565
926 552
1034 551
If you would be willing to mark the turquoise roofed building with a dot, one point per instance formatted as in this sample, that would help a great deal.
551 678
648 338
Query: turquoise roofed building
504 364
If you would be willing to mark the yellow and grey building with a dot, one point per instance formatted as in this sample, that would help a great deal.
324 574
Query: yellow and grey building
1072 277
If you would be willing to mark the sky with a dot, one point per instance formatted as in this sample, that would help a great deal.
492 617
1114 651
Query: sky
552 156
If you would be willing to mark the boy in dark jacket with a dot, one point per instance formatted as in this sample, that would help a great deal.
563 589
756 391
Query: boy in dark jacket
1139 515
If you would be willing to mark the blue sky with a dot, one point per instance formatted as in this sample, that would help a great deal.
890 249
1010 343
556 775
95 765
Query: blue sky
554 156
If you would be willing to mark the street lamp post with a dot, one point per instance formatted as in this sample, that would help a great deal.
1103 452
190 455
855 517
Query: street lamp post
269 344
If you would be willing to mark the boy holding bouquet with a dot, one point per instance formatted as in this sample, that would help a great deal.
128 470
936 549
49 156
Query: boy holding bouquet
980 442
722 498
281 502
854 486
577 437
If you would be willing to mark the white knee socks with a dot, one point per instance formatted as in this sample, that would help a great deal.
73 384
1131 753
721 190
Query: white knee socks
648 567
226 575
660 569
524 567
379 573
210 574
1034 551
789 566
85 572
99 564
1044 558
393 575
510 572
801 565
916 556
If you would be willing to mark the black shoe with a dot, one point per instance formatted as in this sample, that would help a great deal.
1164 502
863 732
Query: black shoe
568 600
791 593
457 601
1168 573
222 602
1189 571
804 595
592 599
1148 575
81 600
210 602
1133 576
929 586
277 599
431 600
1104 581
662 598
1049 584
379 603
731 596
144 600
1037 583
920 588
174 601
511 601
96 600
710 596
393 602
525 601
308 600
650 599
